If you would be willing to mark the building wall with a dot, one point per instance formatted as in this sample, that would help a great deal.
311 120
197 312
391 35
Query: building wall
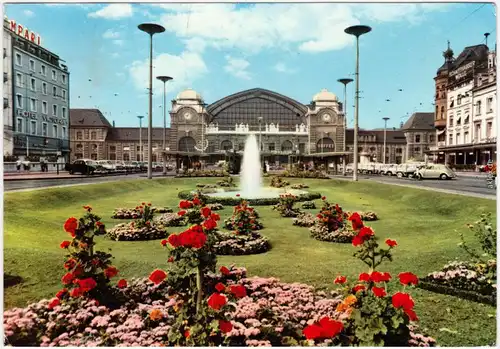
8 125
484 115
395 152
459 119
88 143
418 142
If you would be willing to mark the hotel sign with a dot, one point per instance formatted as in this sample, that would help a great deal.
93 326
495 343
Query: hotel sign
24 32
463 71
45 118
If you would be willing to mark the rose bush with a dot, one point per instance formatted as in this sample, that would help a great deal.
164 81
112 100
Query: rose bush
285 205
243 220
331 224
305 174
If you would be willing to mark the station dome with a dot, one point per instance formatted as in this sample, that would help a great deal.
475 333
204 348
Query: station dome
189 94
325 96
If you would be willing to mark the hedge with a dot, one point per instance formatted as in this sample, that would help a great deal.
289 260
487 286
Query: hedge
452 291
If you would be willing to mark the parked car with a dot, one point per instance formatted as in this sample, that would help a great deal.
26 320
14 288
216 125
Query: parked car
435 171
107 166
408 169
120 166
83 166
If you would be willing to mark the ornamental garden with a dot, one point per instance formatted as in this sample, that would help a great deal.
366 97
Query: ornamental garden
162 263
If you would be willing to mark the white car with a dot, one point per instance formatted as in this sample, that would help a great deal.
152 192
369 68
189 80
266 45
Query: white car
107 166
435 171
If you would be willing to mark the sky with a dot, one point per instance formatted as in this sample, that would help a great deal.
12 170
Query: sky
220 49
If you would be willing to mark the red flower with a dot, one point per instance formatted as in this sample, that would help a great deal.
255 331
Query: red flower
220 287
67 278
163 242
364 277
109 272
193 237
71 225
217 301
391 243
96 261
174 240
239 291
411 314
402 300
357 288
98 223
143 203
187 334
319 216
224 270
76 292
312 332
209 224
181 213
157 276
340 280
65 244
356 221
330 328
215 216
53 303
357 240
377 276
122 283
205 212
87 284
323 198
408 278
87 207
366 233
225 326
379 291
238 195
61 293
170 259
185 204
196 201
69 264
149 204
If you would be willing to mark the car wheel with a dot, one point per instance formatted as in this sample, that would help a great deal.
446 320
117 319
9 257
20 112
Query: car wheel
443 176
419 176
399 174
389 173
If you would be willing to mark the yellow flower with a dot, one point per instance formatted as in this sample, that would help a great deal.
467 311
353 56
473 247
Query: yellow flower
350 300
155 315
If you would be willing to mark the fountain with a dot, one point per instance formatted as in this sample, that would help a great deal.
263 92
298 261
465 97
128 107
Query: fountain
251 178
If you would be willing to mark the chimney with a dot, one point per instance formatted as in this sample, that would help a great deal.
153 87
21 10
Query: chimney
113 123
401 124
486 38
394 129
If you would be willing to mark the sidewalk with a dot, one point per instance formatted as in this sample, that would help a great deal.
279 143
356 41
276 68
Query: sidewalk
472 174
41 175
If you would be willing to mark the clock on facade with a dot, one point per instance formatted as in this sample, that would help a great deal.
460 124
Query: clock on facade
326 117
187 116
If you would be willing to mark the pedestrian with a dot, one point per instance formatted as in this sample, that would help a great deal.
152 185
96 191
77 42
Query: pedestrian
18 165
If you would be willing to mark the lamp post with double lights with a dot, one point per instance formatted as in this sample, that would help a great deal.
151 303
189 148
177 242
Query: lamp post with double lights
357 31
141 154
151 29
385 135
164 79
345 81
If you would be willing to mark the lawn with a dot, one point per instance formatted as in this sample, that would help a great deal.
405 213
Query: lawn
424 223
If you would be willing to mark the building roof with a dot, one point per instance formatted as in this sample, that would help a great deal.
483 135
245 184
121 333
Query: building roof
324 96
189 94
132 134
393 136
420 121
471 53
87 118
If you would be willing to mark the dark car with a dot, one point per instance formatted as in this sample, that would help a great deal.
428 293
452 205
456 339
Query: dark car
82 166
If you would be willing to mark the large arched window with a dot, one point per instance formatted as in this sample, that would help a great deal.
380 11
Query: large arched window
187 144
226 145
325 145
286 146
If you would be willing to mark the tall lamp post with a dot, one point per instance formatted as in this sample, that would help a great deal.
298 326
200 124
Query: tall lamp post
344 81
151 29
357 31
164 79
141 154
385 135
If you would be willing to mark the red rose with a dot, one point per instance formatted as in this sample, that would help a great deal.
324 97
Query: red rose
205 212
239 291
220 287
181 213
366 233
312 332
61 293
215 216
149 204
386 277
402 300
357 240
65 244
53 303
364 277
377 276
340 280
87 284
69 264
216 301
357 288
224 270
157 276
71 225
356 221
379 291
170 259
163 242
209 224
330 328
187 334
408 278
196 201
411 314
122 283
67 278
98 223
174 240
109 272
225 326
76 292
391 243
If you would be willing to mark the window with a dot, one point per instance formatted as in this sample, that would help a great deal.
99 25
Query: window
33 127
19 80
432 138
489 104
417 149
63 133
32 104
457 138
79 135
54 109
417 138
477 135
93 135
126 157
442 112
489 127
478 108
399 150
19 126
44 108
44 88
54 131
63 94
93 156
459 99
63 79
466 137
272 147
44 129
19 59
450 140
138 148
32 65
64 112
33 84
112 156
43 71
54 75
466 121
54 91
79 155
94 147
138 157
154 159
451 121
112 148
452 102
19 101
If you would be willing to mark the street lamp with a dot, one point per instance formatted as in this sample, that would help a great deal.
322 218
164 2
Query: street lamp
345 81
141 154
164 79
357 31
385 134
151 29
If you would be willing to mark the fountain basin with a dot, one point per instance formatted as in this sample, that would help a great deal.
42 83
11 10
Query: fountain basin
263 193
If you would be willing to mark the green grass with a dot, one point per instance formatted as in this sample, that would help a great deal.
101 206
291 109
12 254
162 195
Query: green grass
424 223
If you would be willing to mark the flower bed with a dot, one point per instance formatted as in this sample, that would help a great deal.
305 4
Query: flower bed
244 219
215 207
131 232
170 220
206 186
236 245
201 173
285 205
331 224
308 205
278 182
305 219
133 213
299 186
229 201
366 216
305 174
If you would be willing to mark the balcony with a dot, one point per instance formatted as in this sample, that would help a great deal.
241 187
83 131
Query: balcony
440 124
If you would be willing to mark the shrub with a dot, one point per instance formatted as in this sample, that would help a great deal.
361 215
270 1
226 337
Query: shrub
278 182
201 173
236 245
331 224
304 220
299 186
129 213
243 220
170 220
131 232
226 182
487 237
285 205
215 207
309 205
